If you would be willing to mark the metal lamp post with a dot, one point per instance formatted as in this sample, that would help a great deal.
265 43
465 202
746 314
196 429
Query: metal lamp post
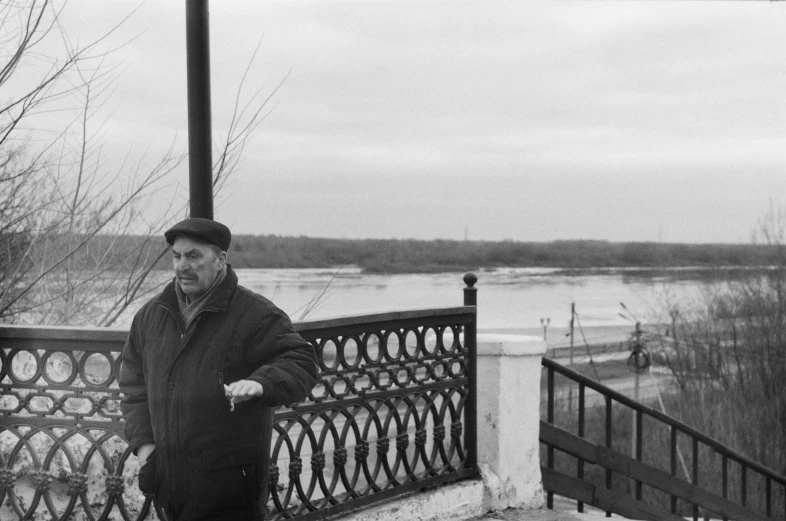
200 141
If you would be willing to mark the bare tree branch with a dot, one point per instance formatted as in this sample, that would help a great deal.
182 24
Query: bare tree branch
74 246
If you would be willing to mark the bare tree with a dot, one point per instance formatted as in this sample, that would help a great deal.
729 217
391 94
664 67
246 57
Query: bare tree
727 352
75 246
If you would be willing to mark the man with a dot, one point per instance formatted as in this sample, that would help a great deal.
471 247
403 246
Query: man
205 363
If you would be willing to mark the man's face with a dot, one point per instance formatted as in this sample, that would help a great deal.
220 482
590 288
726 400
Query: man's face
196 265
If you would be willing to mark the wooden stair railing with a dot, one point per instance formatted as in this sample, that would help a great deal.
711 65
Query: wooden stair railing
620 479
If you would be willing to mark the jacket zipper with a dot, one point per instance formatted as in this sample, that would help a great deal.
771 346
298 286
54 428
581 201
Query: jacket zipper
171 396
183 340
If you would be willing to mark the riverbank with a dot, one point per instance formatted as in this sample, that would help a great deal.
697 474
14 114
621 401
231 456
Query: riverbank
389 256
559 336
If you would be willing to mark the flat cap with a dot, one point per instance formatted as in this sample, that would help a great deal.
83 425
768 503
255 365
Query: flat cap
204 230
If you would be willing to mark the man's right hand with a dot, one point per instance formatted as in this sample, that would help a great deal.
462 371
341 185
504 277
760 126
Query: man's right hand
143 452
147 473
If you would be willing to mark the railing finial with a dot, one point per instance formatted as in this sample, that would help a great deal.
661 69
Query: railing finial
470 292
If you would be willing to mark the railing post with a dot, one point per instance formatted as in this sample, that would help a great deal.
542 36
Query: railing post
673 459
695 477
580 469
550 419
470 342
609 429
470 291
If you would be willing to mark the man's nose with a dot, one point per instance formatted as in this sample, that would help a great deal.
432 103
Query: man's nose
181 265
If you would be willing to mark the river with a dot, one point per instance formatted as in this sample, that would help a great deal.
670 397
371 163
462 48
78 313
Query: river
511 300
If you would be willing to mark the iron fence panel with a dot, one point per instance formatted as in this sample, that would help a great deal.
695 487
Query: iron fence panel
388 416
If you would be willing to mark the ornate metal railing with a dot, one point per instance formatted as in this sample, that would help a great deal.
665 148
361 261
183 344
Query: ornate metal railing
392 413
608 451
387 416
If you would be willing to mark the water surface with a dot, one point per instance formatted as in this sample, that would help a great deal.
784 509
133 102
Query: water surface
509 299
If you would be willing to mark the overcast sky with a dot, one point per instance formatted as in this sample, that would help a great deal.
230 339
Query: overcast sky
503 120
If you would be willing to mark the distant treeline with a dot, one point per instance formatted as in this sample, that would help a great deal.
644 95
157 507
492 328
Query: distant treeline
419 256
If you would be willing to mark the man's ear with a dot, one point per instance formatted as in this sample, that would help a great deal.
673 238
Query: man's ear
222 259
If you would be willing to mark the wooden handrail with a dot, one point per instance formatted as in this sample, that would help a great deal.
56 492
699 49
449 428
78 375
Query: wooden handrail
646 474
672 422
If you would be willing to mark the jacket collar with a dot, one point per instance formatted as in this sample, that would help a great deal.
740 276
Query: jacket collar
218 301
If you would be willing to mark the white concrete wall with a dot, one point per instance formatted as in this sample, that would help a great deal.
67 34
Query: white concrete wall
509 368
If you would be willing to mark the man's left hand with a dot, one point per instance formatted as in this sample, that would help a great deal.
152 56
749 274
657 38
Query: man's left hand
243 390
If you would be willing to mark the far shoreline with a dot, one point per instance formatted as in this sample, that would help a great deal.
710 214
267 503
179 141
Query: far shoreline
410 256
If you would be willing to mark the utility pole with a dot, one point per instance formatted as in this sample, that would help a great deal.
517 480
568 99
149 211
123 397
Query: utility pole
570 389
637 347
572 316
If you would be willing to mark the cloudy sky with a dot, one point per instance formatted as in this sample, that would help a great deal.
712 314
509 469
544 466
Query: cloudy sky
529 121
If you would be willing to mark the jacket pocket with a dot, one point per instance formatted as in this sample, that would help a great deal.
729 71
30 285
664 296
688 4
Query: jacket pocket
232 475
226 457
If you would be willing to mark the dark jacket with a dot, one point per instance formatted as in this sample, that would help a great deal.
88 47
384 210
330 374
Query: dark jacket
172 380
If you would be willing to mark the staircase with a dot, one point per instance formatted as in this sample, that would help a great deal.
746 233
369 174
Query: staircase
606 452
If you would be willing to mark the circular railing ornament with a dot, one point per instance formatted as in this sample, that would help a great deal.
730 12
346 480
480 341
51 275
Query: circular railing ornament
402 442
318 461
383 446
274 474
340 457
7 479
295 468
77 484
41 480
361 451
115 486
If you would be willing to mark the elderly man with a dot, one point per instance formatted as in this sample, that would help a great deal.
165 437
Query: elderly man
205 362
